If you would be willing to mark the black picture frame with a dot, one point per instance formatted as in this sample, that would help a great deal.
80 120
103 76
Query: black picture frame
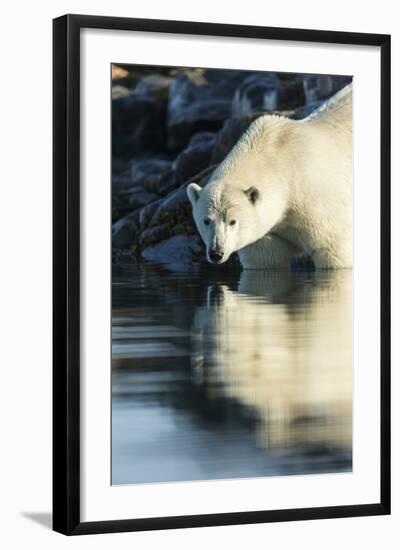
66 273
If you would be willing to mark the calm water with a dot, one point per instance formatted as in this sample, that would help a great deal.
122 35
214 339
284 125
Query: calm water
223 375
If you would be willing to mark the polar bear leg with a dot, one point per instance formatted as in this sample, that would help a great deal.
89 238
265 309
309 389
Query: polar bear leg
327 259
269 252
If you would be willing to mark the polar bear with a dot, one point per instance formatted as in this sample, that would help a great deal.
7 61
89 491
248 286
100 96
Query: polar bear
284 190
266 363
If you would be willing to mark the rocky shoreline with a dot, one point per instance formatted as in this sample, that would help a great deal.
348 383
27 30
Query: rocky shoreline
174 126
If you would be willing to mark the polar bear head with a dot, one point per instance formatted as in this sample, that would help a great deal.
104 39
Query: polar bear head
230 217
249 193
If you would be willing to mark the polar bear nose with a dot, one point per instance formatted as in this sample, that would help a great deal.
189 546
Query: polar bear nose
216 255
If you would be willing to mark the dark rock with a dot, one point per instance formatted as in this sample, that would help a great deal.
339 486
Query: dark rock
306 110
288 78
257 92
120 166
154 234
195 157
183 252
179 249
118 91
138 123
122 182
116 214
199 100
139 197
266 92
148 173
143 183
323 86
173 210
155 85
167 183
126 230
126 76
171 215
291 96
120 190
184 229
122 256
147 213
231 131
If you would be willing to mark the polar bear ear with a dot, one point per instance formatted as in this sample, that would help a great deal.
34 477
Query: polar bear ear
253 194
193 191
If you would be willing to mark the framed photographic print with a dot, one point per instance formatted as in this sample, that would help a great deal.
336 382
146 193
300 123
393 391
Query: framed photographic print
221 274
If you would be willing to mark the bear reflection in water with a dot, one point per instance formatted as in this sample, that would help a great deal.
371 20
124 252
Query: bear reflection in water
281 345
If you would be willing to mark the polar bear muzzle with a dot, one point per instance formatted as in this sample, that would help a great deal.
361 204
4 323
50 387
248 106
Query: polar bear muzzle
216 255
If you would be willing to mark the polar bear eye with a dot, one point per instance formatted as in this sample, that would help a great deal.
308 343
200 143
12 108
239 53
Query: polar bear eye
232 222
206 221
253 194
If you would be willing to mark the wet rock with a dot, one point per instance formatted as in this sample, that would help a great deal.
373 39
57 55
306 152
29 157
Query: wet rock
147 213
184 229
195 157
126 230
173 210
122 256
257 92
138 123
154 234
171 215
199 100
179 249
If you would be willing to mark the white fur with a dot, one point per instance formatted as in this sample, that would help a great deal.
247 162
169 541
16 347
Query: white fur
303 173
261 356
